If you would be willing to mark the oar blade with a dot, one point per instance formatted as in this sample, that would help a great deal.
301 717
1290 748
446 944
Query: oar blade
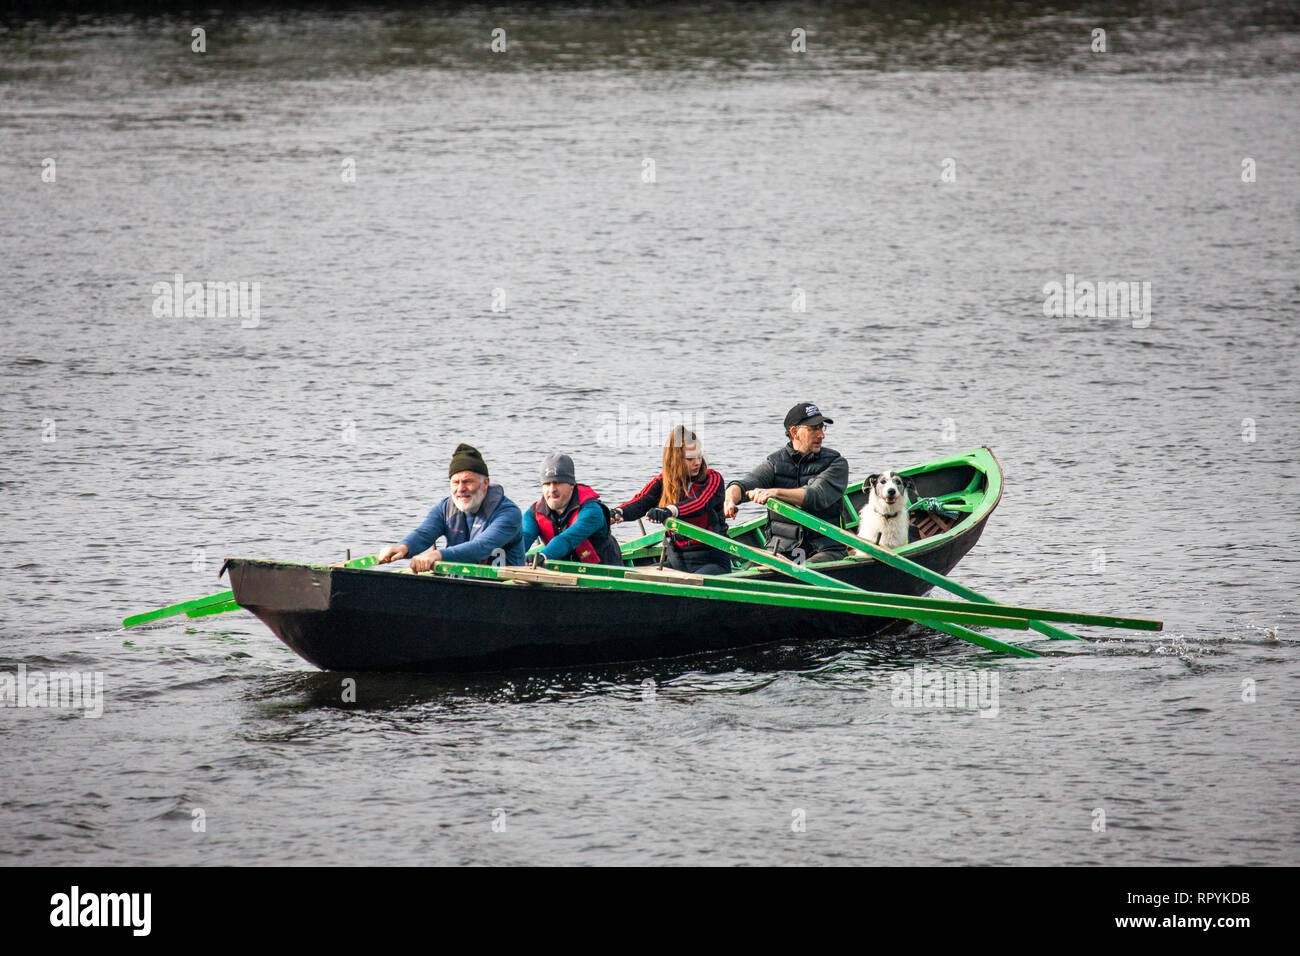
207 603
888 557
182 608
220 607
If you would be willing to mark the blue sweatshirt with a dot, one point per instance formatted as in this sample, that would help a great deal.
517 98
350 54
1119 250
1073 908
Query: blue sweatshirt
494 526
590 520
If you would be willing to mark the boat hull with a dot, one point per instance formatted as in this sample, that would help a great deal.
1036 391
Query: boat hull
369 620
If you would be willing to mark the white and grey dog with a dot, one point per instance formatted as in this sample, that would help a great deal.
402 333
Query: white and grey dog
884 519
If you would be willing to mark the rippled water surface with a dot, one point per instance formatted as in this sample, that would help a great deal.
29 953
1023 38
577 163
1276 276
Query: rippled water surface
1150 465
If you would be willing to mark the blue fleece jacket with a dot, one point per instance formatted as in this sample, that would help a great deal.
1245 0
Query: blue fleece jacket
495 525
590 519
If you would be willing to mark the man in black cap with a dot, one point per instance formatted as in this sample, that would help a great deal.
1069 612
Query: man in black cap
480 523
805 474
570 519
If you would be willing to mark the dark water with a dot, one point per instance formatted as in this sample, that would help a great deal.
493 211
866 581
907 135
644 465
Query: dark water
1149 461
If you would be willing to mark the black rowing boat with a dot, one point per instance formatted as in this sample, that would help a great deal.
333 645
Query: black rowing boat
366 619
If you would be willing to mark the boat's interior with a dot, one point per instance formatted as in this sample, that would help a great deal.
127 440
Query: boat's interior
958 488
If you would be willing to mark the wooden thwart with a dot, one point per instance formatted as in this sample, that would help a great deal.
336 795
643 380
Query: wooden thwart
535 576
662 574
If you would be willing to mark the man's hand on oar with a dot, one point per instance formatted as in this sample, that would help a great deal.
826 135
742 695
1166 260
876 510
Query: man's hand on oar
394 552
425 561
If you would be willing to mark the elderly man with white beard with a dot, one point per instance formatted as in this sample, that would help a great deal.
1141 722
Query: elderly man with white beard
481 525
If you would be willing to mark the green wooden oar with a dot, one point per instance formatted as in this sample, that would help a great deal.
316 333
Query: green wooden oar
181 608
757 555
938 580
221 607
651 552
641 546
217 603
846 605
878 597
945 623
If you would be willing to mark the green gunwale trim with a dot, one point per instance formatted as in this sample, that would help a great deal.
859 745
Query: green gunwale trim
986 467
854 517
368 561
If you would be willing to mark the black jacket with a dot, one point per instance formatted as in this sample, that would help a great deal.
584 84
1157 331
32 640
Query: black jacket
824 475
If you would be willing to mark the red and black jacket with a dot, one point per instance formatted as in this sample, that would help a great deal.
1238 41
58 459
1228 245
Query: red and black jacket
702 506
600 548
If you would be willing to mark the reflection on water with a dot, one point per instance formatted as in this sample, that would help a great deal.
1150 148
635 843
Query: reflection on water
143 46
830 663
737 672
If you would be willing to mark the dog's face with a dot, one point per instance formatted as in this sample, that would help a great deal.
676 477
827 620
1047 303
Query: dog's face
887 489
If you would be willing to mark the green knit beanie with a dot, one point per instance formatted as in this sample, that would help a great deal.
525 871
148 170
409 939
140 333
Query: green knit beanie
467 458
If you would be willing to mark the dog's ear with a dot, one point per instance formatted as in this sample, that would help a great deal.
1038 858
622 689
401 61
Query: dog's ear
869 485
910 485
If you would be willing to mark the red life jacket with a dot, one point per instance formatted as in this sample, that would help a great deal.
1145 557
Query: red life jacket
591 551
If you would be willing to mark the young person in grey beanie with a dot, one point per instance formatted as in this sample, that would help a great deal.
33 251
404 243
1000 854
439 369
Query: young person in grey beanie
569 518
481 525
